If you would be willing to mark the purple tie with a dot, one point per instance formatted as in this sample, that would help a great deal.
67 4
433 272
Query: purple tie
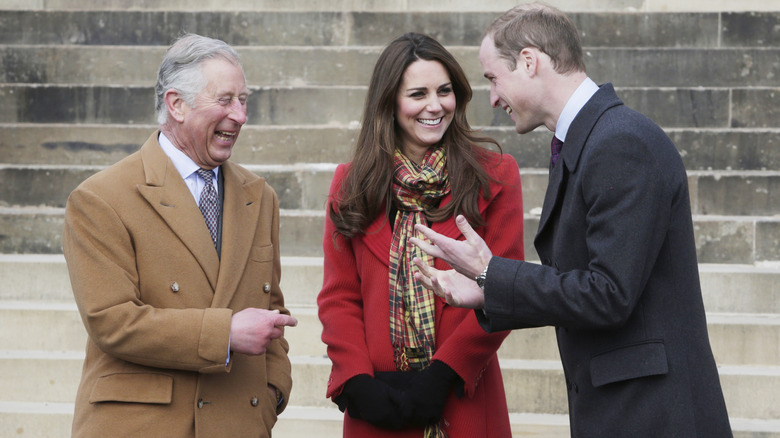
555 149
209 204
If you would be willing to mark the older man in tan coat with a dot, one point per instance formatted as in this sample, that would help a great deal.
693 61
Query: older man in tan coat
185 319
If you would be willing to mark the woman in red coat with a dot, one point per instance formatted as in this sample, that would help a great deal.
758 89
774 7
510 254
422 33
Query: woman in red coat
406 364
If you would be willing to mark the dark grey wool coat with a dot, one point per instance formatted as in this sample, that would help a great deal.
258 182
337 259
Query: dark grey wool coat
619 280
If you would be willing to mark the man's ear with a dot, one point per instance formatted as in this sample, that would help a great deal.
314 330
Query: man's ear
528 60
175 105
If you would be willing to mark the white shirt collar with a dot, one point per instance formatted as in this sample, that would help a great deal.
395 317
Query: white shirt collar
181 161
578 99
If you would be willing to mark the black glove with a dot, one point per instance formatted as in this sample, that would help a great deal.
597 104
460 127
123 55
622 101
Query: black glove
427 393
371 400
399 380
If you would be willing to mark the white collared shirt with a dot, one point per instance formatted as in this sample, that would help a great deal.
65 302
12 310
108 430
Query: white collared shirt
187 168
578 99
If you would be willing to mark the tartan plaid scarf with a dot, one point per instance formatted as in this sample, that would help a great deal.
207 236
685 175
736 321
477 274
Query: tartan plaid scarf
412 309
415 189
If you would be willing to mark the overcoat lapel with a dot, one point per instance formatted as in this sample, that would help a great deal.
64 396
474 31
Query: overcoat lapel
166 192
553 195
571 153
378 238
241 212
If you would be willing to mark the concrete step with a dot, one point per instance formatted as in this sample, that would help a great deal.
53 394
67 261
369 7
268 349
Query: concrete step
737 339
740 288
305 187
102 145
57 326
719 239
389 5
54 420
44 420
42 279
457 26
26 419
684 107
726 288
533 386
335 65
36 230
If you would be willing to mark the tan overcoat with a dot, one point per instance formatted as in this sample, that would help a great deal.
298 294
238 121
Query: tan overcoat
156 301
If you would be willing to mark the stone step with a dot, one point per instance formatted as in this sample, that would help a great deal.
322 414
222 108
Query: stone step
305 187
726 288
102 145
54 420
719 239
42 419
42 326
455 27
388 5
740 288
694 107
43 279
737 339
532 386
296 66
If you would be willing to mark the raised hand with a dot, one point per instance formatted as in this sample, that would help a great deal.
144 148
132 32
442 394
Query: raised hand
469 257
457 289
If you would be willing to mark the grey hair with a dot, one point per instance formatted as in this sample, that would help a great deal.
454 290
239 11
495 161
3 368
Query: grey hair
181 68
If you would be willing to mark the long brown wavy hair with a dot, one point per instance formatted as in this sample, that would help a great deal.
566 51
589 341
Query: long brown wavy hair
366 189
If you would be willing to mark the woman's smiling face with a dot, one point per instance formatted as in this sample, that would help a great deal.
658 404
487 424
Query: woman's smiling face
424 107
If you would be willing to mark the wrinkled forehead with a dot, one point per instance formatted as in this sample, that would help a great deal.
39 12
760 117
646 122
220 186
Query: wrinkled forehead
224 77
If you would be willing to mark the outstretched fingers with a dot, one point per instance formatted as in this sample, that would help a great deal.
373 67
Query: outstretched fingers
428 276
428 248
465 228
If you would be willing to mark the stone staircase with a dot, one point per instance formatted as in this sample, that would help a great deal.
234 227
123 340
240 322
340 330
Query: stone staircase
76 96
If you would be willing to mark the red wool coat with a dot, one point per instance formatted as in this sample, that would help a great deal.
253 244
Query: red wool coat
353 308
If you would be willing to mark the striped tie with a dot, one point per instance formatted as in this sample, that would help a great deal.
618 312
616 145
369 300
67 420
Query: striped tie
209 204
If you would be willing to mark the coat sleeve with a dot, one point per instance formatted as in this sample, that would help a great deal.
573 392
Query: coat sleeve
340 304
469 348
101 261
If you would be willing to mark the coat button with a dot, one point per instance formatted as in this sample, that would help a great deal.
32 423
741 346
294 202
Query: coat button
175 287
267 287
200 403
254 401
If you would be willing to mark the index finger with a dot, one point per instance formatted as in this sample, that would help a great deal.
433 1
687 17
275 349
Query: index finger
285 320
433 236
